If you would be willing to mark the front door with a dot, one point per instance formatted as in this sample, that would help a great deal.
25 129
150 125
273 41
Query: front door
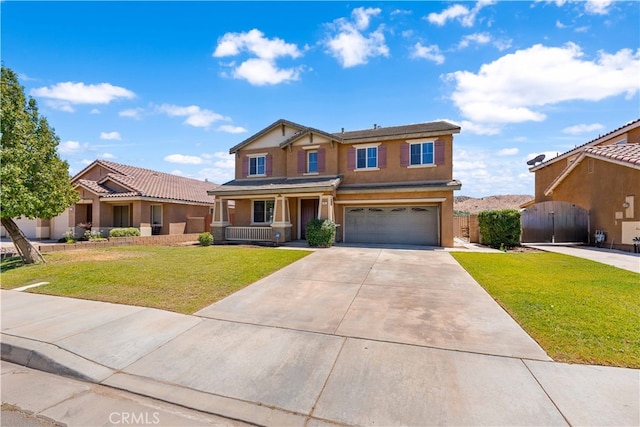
308 211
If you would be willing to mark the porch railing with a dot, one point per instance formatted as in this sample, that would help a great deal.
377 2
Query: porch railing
255 234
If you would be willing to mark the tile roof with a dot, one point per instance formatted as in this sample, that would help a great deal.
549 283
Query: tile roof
146 183
626 153
593 143
623 154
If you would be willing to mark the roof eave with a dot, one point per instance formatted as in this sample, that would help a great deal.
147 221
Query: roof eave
413 135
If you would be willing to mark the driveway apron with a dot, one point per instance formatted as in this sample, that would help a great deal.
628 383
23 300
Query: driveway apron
409 296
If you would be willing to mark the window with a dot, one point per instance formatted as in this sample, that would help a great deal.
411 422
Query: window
263 211
312 162
421 154
257 165
156 214
367 158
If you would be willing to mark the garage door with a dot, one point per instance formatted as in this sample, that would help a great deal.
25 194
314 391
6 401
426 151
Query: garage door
411 225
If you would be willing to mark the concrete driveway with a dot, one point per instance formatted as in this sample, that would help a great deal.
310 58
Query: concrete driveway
408 296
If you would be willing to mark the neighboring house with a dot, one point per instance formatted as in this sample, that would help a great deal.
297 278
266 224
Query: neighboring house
115 195
380 185
602 177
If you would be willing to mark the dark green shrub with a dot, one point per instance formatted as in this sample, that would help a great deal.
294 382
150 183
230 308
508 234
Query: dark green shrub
321 233
124 232
205 239
500 229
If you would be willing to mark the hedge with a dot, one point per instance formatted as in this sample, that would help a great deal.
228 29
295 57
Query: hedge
321 233
124 232
500 229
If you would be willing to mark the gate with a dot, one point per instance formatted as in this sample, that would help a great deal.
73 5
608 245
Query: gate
555 222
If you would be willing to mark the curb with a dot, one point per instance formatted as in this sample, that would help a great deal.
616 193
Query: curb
53 359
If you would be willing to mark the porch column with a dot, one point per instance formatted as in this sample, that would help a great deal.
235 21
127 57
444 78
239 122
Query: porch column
220 220
326 210
281 224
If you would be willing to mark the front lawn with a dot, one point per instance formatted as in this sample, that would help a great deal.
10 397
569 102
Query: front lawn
579 311
180 279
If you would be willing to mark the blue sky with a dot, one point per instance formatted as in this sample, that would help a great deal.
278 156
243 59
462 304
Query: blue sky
171 86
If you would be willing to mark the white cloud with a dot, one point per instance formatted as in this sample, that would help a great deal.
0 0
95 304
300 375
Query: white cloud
59 105
106 156
94 111
350 46
86 162
223 169
431 53
110 136
134 113
195 116
231 129
72 147
597 7
183 159
516 87
464 15
260 72
63 95
254 42
477 38
582 128
262 69
508 152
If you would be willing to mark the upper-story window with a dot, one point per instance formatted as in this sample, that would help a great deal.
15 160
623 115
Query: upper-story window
421 154
312 162
257 165
367 158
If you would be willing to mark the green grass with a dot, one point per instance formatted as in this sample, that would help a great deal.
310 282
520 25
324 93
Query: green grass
180 279
578 310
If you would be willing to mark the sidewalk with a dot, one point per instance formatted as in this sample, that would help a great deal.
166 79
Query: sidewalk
625 260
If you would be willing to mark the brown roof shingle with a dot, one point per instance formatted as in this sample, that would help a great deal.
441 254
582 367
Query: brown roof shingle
147 183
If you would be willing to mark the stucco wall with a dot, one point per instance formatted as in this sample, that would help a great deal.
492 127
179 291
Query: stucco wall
602 192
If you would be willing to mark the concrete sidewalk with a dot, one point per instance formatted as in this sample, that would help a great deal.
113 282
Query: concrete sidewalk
624 260
281 367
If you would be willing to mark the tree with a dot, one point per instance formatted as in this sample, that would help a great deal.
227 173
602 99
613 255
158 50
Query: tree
34 180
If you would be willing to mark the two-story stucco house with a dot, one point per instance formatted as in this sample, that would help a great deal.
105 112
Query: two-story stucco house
380 185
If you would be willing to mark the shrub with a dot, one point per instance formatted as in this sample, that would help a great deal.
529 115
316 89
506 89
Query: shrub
68 237
500 229
321 233
205 239
124 232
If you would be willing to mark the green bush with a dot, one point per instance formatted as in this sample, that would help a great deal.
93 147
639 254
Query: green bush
321 233
500 229
205 239
124 232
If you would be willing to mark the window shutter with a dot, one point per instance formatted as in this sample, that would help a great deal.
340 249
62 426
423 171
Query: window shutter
245 166
302 161
404 155
268 165
321 159
351 158
382 156
438 148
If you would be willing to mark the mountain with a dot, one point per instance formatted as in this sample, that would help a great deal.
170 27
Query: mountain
475 205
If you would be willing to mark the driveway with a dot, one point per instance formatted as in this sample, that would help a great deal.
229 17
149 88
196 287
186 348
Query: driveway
416 296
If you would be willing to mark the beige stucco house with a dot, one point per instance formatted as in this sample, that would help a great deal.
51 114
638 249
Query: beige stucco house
116 195
380 185
603 178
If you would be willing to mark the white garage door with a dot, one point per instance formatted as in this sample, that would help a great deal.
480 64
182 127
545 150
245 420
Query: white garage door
411 225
